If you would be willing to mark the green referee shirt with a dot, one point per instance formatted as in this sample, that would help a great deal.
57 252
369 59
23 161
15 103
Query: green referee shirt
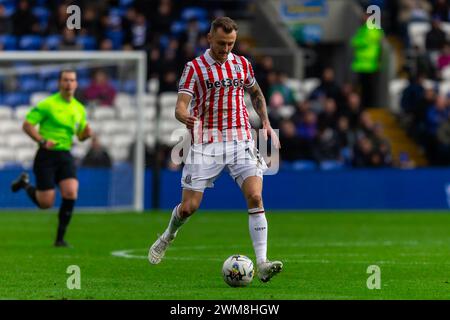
58 120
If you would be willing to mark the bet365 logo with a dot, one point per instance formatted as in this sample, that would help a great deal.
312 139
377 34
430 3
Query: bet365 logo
226 83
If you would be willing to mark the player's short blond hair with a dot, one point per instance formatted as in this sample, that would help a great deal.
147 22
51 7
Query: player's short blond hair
225 23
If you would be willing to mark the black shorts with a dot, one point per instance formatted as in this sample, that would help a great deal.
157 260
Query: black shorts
50 167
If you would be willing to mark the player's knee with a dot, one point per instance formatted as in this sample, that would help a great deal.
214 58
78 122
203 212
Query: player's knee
46 204
188 208
254 199
70 195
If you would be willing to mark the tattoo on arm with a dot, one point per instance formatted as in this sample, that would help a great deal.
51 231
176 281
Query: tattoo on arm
258 102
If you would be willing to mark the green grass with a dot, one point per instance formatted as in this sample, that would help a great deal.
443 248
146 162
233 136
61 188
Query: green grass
325 256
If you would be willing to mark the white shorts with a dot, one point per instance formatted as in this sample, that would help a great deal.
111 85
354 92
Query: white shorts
205 162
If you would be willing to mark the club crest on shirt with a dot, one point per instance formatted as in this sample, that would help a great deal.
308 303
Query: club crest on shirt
237 68
188 179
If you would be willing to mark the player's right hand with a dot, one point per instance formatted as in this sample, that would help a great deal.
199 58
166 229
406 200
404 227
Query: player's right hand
49 144
190 122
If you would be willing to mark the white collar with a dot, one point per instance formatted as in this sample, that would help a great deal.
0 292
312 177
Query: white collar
211 60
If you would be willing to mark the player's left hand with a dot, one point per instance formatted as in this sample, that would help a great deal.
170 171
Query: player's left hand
268 131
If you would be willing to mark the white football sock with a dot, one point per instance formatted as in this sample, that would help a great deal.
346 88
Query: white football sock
257 224
175 223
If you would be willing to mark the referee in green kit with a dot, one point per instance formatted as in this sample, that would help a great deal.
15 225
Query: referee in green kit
59 117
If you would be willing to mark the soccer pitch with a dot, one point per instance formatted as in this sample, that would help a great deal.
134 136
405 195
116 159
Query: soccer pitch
325 255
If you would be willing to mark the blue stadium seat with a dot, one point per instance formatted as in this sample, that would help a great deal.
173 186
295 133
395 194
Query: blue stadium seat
125 3
87 42
164 42
194 13
15 99
331 165
30 85
47 73
51 85
116 37
83 82
42 14
129 86
53 41
30 42
177 27
204 25
304 165
8 42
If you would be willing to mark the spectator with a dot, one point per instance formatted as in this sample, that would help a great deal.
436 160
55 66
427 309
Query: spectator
5 22
262 70
91 23
100 91
412 95
69 41
291 142
24 21
326 145
328 117
281 87
191 34
353 110
97 156
441 9
444 58
139 32
328 87
435 40
367 59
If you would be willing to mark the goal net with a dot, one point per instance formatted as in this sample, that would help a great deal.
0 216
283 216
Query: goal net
111 85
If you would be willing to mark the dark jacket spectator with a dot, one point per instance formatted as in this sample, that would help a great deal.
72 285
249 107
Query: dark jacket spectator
436 37
24 21
97 156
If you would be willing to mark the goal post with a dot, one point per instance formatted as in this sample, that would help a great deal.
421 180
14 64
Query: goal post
65 59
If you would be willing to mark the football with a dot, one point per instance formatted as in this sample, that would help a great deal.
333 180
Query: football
238 271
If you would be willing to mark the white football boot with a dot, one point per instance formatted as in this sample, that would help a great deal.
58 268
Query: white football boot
266 270
157 250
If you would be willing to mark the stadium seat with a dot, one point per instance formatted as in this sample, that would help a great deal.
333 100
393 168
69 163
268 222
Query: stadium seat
150 140
6 113
304 165
446 73
127 113
309 84
417 32
116 37
30 42
125 3
103 113
122 99
167 103
30 85
122 141
19 140
150 100
176 29
6 155
112 127
10 126
149 113
38 96
25 156
14 99
42 13
21 111
87 42
129 86
119 154
153 85
8 42
444 88
51 85
396 87
331 165
194 13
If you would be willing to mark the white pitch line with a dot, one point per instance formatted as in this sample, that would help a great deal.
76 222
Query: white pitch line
128 254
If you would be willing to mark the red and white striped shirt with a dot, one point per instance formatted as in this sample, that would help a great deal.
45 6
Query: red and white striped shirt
217 92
